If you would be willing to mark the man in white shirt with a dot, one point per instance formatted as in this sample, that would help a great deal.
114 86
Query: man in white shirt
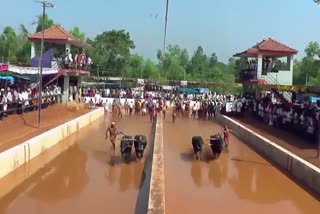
97 98
131 106
239 107
25 98
20 102
9 99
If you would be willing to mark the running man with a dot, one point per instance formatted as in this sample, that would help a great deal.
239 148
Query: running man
112 131
226 135
174 114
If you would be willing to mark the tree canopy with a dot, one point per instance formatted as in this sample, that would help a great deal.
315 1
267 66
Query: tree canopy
307 70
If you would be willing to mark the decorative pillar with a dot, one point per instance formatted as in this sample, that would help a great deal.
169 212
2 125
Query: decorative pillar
33 50
68 47
291 70
290 59
65 96
260 65
79 83
79 88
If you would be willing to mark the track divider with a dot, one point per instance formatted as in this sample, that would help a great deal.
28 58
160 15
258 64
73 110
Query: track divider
157 191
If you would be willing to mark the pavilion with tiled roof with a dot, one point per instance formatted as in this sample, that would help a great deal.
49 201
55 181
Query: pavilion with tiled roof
261 69
56 36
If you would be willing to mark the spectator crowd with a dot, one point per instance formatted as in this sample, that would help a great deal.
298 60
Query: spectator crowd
78 60
301 117
20 100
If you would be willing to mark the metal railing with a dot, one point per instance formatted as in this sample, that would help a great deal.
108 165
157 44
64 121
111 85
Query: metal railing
286 95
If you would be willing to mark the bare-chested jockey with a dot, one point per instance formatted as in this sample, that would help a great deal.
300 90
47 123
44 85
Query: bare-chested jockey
112 130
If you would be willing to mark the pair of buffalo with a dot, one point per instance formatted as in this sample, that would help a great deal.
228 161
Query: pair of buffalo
139 142
216 144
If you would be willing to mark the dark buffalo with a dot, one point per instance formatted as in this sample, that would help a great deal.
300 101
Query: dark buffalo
197 143
126 147
216 144
140 144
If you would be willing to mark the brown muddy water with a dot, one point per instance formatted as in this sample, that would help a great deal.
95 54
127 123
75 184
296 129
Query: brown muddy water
240 181
85 178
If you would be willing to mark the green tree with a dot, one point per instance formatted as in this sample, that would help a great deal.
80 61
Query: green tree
199 63
150 70
135 66
307 70
112 51
78 34
8 44
213 60
23 50
46 24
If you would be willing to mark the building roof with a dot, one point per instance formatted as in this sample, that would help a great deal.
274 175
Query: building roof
268 47
58 35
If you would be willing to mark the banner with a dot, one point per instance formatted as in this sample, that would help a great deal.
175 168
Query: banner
3 67
140 81
184 83
31 70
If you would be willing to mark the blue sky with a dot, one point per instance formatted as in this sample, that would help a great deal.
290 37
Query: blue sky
221 26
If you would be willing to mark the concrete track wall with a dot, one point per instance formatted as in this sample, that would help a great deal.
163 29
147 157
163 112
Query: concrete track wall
156 203
21 154
300 169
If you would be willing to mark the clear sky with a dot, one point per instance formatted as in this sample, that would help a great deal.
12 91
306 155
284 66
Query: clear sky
221 26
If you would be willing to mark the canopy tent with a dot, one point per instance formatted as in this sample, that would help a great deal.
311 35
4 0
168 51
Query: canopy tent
8 78
203 90
188 90
314 99
24 77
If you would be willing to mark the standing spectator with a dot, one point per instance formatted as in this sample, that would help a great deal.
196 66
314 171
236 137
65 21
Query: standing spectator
20 102
67 59
76 60
1 103
9 99
4 102
74 92
70 93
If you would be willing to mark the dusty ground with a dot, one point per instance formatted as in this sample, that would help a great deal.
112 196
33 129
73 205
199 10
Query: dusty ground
16 129
289 141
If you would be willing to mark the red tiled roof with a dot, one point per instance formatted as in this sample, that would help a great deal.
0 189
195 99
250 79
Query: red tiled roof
57 34
54 32
270 46
273 45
